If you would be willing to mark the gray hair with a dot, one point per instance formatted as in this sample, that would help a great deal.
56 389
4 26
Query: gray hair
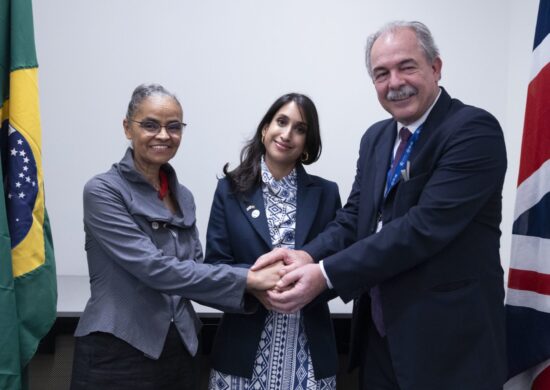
144 91
423 35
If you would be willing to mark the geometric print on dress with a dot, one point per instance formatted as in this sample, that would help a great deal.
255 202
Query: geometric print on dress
283 360
280 199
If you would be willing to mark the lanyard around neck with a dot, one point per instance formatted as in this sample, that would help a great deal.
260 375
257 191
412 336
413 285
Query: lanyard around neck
392 179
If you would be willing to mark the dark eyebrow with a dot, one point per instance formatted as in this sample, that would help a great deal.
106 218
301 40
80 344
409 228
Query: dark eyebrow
283 116
299 123
149 119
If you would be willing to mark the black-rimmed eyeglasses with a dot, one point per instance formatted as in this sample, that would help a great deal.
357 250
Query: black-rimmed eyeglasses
153 127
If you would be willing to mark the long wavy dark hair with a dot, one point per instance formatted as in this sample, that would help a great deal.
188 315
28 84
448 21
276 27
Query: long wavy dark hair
248 173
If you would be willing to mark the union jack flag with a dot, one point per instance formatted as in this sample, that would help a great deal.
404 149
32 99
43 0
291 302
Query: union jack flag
528 295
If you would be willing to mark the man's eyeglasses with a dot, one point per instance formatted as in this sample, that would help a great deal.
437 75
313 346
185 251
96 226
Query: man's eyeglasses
153 127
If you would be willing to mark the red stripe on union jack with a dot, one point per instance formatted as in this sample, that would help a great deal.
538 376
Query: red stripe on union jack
529 281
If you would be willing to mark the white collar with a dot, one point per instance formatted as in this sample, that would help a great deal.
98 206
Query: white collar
416 124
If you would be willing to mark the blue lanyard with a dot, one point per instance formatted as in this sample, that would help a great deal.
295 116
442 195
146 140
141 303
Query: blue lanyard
392 181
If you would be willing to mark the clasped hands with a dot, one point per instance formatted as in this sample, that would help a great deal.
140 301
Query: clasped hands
285 280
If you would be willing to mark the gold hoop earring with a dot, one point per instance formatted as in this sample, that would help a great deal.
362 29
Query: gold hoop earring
305 156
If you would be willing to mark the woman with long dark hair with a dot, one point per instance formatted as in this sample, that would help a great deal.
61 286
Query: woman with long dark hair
270 201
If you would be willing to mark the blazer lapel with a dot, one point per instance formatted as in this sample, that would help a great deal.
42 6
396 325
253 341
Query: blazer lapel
382 160
253 208
434 119
307 206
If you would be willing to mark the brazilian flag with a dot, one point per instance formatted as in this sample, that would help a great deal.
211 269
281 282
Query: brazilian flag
28 291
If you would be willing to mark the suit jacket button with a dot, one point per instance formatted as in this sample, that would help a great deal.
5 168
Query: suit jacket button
155 225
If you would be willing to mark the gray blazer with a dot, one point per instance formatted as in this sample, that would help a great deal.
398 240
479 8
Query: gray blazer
142 261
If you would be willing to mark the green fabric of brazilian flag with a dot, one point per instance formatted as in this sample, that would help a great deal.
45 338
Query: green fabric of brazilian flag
28 291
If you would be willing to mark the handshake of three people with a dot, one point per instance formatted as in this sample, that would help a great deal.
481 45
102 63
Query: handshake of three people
285 280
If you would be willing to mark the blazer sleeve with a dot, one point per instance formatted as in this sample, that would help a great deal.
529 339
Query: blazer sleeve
333 194
108 222
342 231
468 176
218 243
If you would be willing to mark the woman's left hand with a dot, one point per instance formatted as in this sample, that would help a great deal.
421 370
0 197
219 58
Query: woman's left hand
265 278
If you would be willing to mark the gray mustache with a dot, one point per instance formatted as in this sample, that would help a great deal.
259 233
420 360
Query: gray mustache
402 93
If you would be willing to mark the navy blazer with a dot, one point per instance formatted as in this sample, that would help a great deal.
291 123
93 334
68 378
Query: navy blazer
235 237
436 258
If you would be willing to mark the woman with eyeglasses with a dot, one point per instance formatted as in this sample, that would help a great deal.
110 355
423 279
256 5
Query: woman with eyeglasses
270 201
139 329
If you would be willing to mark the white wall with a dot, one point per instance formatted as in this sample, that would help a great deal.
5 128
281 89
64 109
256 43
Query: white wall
228 61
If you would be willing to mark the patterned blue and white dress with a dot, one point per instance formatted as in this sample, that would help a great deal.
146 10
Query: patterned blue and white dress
283 361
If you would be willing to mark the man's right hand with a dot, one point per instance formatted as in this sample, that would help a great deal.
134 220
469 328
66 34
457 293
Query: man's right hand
296 289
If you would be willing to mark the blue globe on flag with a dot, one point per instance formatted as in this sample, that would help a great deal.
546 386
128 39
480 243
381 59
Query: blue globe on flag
22 186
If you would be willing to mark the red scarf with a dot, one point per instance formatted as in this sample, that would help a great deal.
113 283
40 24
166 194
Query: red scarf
163 190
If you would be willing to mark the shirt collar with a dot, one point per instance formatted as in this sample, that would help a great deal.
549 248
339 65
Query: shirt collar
285 187
127 167
416 124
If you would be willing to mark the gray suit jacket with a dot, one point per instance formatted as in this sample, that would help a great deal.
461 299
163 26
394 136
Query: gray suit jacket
142 262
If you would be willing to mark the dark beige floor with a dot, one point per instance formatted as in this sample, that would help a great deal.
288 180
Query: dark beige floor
53 371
